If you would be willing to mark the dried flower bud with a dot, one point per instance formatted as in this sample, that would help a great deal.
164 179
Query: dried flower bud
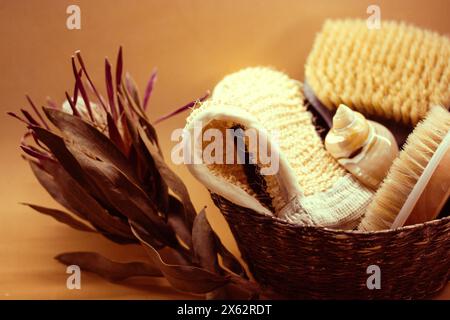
98 113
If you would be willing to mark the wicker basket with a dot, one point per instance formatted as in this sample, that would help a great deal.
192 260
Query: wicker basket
306 262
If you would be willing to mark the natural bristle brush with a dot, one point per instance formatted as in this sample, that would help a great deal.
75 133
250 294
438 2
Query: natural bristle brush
396 72
422 162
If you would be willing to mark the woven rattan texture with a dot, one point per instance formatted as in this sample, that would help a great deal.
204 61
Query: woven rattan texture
318 263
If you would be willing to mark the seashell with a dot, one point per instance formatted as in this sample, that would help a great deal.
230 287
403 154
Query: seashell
363 147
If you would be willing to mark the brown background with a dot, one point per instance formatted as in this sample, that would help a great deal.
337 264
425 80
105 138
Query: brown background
193 44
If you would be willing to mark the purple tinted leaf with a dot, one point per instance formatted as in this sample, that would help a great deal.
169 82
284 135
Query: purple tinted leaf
110 89
36 140
80 86
35 153
119 68
120 105
133 109
83 67
25 136
30 118
12 114
149 89
51 103
72 105
106 268
77 75
133 90
62 217
182 109
37 111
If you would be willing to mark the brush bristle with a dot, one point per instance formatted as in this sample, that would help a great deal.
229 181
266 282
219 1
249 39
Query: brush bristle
406 170
395 72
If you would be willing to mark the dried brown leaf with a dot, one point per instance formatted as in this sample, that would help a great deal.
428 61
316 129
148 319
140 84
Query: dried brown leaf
114 134
128 101
177 221
147 236
229 260
110 89
151 133
106 268
58 148
91 140
62 217
204 243
157 187
173 181
66 191
182 277
133 90
127 197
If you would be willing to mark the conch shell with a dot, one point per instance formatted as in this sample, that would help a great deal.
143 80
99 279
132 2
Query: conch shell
365 148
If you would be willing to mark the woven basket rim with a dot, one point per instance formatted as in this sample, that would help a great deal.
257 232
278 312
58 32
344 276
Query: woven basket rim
342 231
385 231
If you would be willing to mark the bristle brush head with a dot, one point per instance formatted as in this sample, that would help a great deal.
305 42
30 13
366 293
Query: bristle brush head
396 72
406 170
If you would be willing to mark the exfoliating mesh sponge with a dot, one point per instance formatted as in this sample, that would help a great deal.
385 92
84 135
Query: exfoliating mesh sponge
309 186
396 72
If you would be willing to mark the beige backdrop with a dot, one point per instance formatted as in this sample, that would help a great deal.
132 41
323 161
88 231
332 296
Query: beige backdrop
193 44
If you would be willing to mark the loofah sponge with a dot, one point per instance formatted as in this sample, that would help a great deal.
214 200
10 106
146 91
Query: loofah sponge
309 187
396 72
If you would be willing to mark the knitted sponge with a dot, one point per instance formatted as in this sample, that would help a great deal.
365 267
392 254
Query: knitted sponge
395 72
310 186
277 102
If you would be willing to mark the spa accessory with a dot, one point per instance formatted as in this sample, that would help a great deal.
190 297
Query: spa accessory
435 195
396 72
310 187
410 174
365 148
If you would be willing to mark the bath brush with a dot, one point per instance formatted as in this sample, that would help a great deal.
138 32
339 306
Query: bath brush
396 72
421 167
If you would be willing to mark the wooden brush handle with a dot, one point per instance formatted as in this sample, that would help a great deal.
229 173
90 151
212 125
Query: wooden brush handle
434 196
